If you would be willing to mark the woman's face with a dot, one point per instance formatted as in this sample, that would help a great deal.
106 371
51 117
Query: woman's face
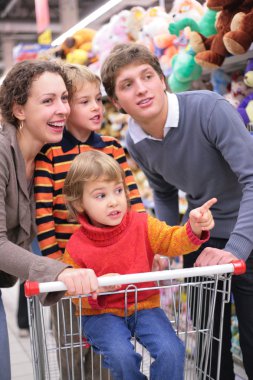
46 110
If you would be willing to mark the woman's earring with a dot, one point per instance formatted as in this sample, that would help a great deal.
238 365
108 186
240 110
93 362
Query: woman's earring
21 125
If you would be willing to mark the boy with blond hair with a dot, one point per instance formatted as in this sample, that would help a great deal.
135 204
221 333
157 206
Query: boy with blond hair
53 162
52 166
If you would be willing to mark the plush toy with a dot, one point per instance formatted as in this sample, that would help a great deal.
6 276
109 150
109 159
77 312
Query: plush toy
212 51
77 48
187 8
182 77
154 33
238 90
220 81
205 26
110 34
79 38
240 36
184 71
246 110
239 87
248 75
135 22
246 106
77 56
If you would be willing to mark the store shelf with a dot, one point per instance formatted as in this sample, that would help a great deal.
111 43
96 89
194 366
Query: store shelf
234 62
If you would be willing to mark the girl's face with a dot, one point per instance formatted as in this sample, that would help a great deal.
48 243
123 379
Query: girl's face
140 92
45 113
86 114
104 202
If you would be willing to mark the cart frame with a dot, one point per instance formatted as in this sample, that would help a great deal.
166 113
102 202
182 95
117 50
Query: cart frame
188 296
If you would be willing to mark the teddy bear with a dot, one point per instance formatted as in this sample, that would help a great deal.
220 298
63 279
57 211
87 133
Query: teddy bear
240 36
212 51
245 108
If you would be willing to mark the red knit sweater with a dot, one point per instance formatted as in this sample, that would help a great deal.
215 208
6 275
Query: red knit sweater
127 248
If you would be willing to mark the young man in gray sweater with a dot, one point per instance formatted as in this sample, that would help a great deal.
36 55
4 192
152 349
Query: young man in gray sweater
197 142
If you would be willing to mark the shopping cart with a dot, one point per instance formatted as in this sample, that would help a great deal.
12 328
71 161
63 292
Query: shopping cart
188 296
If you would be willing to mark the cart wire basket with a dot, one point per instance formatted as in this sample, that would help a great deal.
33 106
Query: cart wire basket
192 298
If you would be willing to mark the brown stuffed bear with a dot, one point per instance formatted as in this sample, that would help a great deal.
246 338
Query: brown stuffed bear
240 36
212 51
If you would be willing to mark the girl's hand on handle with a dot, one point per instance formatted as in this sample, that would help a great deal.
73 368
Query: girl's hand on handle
112 288
80 281
160 263
201 218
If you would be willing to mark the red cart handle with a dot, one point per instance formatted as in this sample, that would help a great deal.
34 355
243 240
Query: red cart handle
31 288
239 266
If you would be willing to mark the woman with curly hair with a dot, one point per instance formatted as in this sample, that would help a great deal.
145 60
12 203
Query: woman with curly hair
34 108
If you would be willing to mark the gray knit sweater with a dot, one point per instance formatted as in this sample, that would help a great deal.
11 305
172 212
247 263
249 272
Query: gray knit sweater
209 154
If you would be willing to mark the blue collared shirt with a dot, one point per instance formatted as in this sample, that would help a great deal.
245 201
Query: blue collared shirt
69 141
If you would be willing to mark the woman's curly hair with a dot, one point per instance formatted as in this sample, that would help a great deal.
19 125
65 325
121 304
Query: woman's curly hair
18 81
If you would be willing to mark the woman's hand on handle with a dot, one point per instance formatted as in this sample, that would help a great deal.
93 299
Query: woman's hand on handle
80 281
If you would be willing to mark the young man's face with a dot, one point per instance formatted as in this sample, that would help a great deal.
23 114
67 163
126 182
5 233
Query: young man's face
140 92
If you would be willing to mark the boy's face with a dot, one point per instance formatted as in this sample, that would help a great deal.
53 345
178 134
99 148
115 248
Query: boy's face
86 110
140 92
104 202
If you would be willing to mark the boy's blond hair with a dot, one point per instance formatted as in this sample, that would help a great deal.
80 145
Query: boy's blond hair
79 75
86 167
126 54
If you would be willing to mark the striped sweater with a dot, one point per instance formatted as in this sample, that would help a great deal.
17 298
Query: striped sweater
52 165
127 248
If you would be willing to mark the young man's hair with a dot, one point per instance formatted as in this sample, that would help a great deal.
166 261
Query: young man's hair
122 55
78 76
86 167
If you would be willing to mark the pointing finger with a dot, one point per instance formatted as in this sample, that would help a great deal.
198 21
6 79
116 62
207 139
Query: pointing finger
206 206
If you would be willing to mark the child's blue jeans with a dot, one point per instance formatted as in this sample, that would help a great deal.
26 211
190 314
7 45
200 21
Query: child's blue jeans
110 335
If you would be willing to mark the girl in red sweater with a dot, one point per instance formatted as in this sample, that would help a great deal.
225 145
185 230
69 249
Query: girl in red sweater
114 240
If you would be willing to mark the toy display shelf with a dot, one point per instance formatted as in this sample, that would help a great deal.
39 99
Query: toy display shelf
234 62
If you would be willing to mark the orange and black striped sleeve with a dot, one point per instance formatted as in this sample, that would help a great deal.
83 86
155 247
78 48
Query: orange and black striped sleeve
44 196
52 166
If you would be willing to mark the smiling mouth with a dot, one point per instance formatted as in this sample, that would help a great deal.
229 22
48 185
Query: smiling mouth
59 126
144 101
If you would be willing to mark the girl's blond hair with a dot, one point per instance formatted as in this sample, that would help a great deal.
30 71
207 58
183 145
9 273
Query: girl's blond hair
86 167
